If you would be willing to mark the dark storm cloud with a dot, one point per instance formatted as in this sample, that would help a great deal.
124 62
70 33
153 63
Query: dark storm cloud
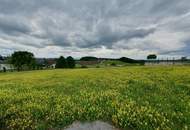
147 26
11 25
170 7
107 37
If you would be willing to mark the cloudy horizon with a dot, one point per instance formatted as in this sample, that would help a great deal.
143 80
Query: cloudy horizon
101 28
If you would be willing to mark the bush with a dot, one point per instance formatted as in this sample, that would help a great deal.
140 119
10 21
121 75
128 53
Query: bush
84 66
97 66
113 64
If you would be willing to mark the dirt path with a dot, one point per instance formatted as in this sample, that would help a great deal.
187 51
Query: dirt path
97 125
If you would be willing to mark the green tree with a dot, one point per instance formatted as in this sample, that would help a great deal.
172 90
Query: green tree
151 57
1 57
89 58
71 62
23 60
61 62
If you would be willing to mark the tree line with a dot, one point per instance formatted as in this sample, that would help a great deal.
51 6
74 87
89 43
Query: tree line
23 60
69 62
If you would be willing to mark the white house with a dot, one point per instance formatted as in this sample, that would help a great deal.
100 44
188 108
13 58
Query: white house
52 66
4 66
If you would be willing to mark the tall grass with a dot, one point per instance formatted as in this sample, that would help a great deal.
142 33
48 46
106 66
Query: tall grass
130 98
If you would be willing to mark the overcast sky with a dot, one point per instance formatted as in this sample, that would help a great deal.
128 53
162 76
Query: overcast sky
102 28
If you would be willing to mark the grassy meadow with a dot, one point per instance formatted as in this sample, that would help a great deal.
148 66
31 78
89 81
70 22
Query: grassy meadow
143 98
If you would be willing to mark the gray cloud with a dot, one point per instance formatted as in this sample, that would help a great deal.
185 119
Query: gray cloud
76 27
13 25
107 37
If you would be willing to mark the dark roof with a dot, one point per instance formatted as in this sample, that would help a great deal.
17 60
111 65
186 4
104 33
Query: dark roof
46 61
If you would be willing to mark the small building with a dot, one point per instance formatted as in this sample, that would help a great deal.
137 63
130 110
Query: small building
52 66
46 63
6 67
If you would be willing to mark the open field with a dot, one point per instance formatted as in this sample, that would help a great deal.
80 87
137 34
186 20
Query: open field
108 63
129 97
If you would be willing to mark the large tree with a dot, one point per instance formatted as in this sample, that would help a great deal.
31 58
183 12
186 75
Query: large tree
1 57
23 60
61 62
70 62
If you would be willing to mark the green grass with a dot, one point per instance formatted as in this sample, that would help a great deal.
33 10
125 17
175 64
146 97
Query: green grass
130 98
114 62
109 63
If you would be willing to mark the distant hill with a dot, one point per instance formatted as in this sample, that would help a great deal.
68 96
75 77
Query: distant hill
101 62
129 60
89 58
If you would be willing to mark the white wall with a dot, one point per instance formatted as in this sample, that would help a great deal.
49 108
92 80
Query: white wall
7 66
